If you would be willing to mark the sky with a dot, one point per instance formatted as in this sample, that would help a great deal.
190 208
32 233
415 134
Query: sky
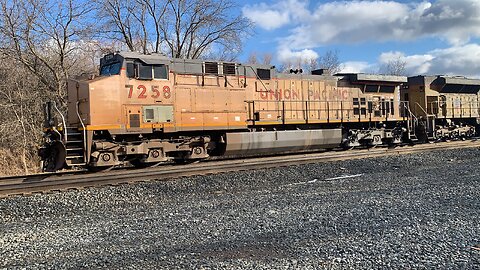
437 37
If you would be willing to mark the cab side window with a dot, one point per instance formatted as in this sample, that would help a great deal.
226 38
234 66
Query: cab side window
147 72
160 72
144 72
130 70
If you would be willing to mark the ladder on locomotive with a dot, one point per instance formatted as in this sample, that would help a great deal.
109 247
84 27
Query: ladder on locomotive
422 128
75 147
428 121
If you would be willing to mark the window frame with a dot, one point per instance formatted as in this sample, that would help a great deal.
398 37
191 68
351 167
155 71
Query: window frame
139 66
167 71
136 65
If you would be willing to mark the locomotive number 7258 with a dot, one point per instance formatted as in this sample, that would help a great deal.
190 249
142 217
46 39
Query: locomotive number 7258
143 93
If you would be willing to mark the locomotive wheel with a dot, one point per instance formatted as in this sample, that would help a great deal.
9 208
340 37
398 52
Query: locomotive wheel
55 156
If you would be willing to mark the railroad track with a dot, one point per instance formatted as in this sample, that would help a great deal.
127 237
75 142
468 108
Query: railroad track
41 183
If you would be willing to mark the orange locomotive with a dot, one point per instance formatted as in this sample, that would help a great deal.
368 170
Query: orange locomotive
148 109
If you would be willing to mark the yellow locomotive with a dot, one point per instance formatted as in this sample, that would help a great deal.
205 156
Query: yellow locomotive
148 109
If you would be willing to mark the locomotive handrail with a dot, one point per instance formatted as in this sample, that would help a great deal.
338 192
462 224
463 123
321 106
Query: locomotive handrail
420 106
278 114
470 106
65 132
409 111
77 107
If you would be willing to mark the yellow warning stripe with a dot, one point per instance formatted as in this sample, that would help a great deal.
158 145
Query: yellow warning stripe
102 127
187 125
321 121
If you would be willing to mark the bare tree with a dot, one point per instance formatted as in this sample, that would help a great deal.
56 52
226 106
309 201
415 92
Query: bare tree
120 23
42 45
331 62
192 28
267 58
19 110
312 64
285 67
156 10
252 58
179 28
42 35
394 67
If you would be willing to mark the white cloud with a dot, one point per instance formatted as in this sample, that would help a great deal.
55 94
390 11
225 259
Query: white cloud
311 25
457 60
266 18
414 64
358 67
294 57
270 17
362 21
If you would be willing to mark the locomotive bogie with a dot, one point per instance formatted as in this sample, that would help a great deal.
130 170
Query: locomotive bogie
450 131
145 152
374 137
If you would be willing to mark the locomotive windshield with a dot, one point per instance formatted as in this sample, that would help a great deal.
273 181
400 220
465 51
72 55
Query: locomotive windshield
111 69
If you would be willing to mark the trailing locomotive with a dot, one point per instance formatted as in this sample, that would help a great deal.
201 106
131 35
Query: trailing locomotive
147 109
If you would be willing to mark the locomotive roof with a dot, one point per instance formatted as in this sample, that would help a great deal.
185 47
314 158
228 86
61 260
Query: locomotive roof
458 80
195 66
367 78
182 65
157 58
441 79
458 84
448 84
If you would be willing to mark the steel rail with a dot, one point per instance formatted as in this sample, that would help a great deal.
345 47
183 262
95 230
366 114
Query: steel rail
24 185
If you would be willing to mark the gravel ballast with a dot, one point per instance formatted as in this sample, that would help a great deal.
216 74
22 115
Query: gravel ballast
417 211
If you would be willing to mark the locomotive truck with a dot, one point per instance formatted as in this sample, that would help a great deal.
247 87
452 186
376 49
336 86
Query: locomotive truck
143 110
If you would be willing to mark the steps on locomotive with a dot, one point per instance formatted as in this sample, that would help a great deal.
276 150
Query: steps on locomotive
422 129
75 147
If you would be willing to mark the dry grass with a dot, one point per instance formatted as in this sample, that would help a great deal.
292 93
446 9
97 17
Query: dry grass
11 163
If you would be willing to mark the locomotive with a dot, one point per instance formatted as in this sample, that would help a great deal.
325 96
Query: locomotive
148 109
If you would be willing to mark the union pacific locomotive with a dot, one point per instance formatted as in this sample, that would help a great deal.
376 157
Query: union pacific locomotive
148 109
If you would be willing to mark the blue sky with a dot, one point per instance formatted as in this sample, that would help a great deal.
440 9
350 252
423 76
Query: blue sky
433 37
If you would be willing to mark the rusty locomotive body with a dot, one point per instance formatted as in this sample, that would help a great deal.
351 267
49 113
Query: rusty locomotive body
148 109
